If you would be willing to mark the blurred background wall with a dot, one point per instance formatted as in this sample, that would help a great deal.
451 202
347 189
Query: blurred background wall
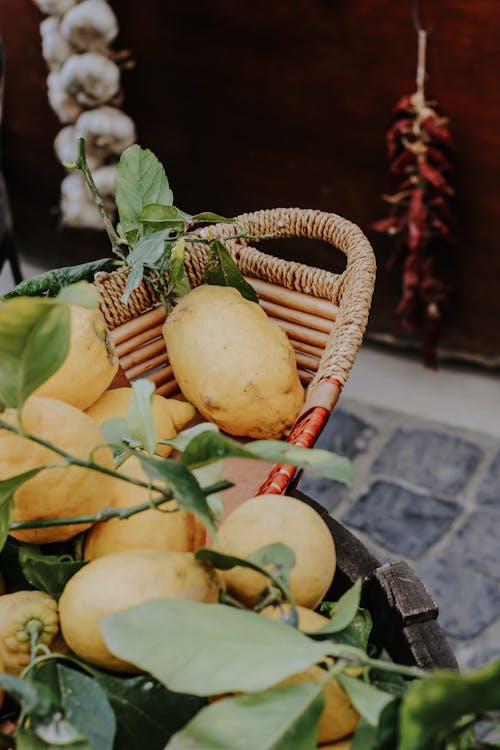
262 104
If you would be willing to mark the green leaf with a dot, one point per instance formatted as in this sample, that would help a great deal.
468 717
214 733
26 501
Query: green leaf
182 439
159 216
139 181
207 217
81 293
435 704
384 736
7 490
28 740
84 703
117 436
34 342
273 561
183 484
356 633
178 283
368 700
343 612
36 700
221 270
49 573
284 718
209 445
148 252
207 649
140 415
144 708
316 460
52 282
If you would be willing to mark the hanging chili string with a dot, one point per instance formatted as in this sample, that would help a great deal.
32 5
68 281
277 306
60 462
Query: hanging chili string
421 215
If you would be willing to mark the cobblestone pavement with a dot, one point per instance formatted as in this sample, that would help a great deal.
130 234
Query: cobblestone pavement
430 494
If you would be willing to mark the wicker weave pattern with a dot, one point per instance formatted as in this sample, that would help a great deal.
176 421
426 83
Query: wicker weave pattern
351 290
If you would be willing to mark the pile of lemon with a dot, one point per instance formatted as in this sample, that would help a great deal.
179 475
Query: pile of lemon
150 555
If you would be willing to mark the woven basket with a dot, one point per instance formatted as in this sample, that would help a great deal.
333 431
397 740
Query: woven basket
324 315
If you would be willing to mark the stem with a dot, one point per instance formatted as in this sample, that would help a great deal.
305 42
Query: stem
107 513
421 69
351 653
81 164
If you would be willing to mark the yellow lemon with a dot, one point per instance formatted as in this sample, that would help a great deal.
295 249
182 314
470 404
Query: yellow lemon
90 365
151 529
23 614
54 492
233 362
120 581
267 519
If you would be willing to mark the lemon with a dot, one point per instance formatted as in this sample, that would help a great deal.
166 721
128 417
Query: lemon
120 581
21 614
179 531
54 492
90 365
267 519
233 363
115 403
339 717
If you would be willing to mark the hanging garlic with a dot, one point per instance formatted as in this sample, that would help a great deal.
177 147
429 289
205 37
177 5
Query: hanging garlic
55 48
65 106
66 148
55 7
84 91
90 26
106 131
91 78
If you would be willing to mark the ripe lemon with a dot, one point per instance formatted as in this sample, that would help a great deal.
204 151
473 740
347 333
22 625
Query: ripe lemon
54 492
339 717
233 362
267 519
120 581
90 365
21 614
179 531
115 403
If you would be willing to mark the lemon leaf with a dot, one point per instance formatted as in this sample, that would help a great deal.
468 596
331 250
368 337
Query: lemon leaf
221 270
343 612
81 293
278 719
140 180
207 649
34 342
140 415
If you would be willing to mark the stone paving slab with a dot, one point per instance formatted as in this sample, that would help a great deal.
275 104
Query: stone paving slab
429 493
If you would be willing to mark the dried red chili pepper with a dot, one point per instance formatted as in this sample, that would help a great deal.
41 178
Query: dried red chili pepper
421 214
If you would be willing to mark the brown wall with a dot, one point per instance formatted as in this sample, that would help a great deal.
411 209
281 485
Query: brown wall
261 104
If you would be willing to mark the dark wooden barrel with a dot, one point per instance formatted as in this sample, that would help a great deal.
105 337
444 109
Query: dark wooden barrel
403 612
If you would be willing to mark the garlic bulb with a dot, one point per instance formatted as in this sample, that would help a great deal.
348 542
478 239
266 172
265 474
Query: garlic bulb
55 7
65 106
91 78
55 48
106 131
90 26
66 148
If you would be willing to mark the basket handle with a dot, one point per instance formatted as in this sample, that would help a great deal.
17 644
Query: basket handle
352 289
